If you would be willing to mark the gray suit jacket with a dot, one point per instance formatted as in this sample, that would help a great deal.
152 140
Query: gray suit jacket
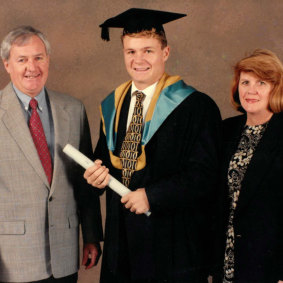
38 223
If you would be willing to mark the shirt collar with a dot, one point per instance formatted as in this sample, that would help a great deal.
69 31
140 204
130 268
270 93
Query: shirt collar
25 99
148 92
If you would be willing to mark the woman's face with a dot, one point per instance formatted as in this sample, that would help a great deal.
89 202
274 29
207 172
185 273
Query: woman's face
254 96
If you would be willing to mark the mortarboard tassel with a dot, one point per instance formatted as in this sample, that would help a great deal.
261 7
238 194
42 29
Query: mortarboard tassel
105 33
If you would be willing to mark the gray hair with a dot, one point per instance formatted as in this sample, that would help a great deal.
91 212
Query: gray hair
20 36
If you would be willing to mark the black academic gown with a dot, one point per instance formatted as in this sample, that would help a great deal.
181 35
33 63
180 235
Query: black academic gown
175 243
258 221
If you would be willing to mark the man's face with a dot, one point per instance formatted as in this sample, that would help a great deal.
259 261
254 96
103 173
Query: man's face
144 60
28 66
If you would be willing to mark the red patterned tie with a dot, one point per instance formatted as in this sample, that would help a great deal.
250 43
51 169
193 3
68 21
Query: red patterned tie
39 140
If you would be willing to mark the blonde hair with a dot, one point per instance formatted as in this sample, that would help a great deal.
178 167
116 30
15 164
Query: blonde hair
160 36
268 67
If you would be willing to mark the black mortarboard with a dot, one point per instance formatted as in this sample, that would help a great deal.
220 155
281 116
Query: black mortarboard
137 20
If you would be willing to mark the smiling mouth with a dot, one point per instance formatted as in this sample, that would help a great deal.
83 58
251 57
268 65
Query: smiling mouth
251 100
32 77
141 69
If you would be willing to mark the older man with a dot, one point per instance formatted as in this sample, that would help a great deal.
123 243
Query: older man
39 187
160 137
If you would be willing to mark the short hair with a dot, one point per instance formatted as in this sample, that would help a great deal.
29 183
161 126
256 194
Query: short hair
19 36
268 67
159 35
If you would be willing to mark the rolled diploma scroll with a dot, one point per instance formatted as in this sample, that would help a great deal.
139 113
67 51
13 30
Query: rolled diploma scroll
85 162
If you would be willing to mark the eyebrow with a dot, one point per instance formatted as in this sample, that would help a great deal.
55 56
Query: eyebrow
39 54
147 47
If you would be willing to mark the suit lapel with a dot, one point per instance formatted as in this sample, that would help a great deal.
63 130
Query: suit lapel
231 135
232 128
261 162
16 124
61 122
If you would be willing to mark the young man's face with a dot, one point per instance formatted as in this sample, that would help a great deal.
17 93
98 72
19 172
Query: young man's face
28 66
144 59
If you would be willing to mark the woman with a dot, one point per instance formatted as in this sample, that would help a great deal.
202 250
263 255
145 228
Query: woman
253 162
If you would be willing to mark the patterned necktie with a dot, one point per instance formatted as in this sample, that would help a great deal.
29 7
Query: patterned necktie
39 139
129 149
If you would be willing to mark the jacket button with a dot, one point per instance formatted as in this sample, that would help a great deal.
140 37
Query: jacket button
51 198
239 236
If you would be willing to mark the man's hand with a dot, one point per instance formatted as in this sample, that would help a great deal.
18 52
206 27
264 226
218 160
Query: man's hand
136 201
91 255
280 281
97 175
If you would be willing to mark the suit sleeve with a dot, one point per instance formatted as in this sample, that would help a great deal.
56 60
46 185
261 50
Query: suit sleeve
88 199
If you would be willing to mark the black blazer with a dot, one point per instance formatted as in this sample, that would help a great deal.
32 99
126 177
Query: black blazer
258 221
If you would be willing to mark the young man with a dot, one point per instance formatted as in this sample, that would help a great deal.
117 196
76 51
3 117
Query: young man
160 137
40 189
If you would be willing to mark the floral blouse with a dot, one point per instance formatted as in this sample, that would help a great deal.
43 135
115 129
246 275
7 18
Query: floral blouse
239 162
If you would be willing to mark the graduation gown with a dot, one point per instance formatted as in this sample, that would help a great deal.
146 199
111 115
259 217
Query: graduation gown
178 167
